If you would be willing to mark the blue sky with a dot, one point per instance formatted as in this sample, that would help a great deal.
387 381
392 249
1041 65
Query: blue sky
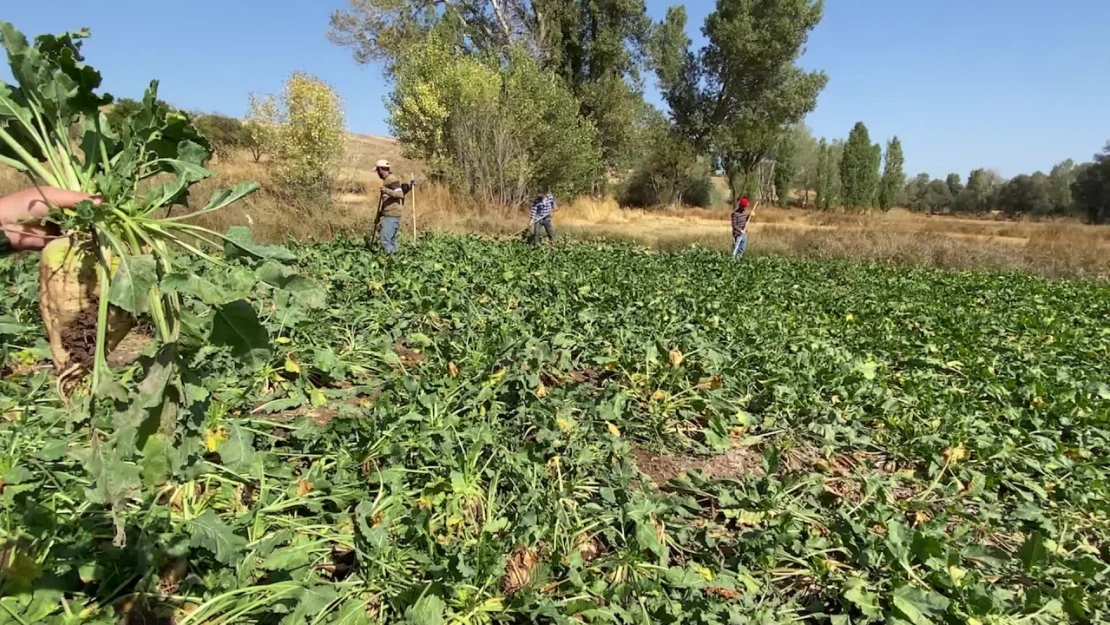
1017 85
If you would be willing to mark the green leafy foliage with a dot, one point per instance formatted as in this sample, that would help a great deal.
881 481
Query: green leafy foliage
496 130
226 134
1092 188
859 169
140 166
466 433
893 181
667 170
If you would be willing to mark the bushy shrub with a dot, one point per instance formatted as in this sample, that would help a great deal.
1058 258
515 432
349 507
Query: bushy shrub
700 193
307 139
497 128
226 134
667 169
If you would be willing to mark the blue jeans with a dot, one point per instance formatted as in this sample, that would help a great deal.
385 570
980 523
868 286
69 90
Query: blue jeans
739 245
391 227
545 224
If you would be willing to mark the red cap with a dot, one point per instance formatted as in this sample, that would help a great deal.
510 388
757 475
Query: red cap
744 202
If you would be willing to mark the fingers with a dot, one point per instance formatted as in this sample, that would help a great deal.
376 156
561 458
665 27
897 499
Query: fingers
22 212
27 237
45 197
63 198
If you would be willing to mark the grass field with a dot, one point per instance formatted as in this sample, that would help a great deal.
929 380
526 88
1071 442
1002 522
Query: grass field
481 432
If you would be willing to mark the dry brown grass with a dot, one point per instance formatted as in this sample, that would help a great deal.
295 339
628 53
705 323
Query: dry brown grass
1054 249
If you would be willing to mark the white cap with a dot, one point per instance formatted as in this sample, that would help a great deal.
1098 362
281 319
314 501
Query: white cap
382 164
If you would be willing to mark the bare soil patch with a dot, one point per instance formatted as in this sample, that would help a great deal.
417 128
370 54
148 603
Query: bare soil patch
129 349
732 464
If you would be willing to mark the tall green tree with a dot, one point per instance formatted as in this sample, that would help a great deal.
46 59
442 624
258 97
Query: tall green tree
595 46
938 196
805 151
1092 188
915 192
667 167
226 134
828 186
786 168
859 169
893 183
738 94
1025 195
955 184
496 130
1060 180
980 194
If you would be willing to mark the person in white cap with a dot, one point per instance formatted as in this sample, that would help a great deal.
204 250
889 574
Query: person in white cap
391 203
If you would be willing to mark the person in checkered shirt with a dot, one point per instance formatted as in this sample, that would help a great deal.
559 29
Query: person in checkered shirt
542 208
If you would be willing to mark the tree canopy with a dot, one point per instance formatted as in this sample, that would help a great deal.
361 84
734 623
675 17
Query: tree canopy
859 168
893 182
733 105
738 95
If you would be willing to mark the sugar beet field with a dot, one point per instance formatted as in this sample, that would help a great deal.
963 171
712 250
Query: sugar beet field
468 433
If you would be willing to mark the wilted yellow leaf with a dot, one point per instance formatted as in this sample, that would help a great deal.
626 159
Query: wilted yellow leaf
704 572
452 369
214 437
675 357
565 424
554 465
283 340
712 383
614 430
304 487
541 390
291 365
659 395
747 517
955 454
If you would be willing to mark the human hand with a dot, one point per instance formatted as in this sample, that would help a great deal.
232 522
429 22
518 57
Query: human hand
22 212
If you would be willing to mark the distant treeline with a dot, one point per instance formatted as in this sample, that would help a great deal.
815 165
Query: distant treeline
858 175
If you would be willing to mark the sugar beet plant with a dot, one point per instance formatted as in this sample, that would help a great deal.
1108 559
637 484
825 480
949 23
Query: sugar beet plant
122 255
114 252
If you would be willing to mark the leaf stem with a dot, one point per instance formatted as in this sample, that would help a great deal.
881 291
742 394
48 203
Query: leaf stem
103 283
31 162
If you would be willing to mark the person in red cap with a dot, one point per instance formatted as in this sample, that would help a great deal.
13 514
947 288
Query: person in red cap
740 218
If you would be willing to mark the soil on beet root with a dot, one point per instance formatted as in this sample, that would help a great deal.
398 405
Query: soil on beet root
79 337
